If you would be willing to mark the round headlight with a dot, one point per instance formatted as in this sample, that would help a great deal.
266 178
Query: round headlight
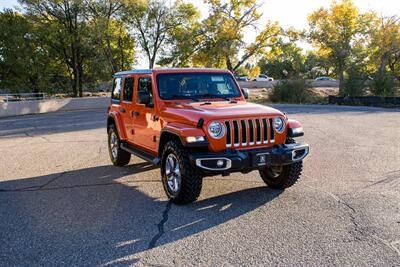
279 124
216 129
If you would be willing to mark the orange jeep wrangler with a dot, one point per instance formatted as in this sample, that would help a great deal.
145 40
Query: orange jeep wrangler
195 123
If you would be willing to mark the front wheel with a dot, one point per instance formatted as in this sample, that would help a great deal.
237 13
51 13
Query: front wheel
182 183
281 177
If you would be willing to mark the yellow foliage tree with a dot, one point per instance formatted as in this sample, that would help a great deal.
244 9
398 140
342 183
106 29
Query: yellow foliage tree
254 72
334 30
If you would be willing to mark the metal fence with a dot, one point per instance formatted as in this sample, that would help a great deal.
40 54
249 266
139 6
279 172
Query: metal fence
22 97
374 101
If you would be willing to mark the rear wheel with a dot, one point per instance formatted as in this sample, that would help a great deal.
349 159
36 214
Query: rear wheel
118 156
281 177
182 183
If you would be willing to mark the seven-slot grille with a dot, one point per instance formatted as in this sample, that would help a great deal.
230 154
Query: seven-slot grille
249 132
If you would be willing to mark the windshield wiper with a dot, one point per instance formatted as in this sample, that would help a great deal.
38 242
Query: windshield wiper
183 97
216 96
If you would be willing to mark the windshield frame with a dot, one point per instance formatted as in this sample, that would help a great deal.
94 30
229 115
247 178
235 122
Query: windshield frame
199 97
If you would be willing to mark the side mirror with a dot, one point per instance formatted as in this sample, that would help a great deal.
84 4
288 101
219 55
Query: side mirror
144 97
245 92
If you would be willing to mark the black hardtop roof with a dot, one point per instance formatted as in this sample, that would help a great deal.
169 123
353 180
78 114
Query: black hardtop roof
150 71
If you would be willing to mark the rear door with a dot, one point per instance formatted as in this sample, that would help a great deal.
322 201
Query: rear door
126 106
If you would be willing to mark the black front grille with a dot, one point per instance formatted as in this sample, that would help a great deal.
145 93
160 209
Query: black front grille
258 130
271 130
235 133
228 133
244 132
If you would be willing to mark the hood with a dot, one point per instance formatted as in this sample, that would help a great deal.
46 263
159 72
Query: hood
217 110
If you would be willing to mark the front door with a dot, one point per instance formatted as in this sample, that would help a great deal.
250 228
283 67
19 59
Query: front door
146 125
126 107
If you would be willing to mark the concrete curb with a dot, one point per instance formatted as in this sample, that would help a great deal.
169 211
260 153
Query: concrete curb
52 105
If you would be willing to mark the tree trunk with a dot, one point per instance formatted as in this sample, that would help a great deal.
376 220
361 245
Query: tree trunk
74 83
151 63
393 70
382 67
111 57
341 80
229 64
327 72
80 80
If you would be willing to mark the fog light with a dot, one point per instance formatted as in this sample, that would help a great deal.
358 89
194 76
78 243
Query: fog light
220 163
194 139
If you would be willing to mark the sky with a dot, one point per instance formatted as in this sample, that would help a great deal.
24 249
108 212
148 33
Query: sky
289 13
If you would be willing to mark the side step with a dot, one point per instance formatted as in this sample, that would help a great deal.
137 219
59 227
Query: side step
140 153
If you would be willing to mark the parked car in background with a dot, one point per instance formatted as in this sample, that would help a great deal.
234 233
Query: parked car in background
324 78
241 78
263 78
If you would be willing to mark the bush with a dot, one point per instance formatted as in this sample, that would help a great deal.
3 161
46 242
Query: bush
355 83
293 91
383 85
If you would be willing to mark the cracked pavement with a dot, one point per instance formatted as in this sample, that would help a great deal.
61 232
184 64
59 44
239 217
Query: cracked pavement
63 203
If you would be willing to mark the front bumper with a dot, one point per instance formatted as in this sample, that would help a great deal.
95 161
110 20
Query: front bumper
247 160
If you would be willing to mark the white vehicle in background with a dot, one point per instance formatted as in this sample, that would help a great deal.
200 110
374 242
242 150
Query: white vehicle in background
263 78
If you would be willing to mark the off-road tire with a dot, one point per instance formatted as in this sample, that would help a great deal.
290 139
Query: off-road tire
191 180
123 157
289 175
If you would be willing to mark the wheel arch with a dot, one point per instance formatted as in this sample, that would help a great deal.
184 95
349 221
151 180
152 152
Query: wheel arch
179 132
114 119
166 136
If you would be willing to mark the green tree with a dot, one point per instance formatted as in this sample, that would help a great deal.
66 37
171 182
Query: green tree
334 30
284 60
184 38
153 24
25 65
114 54
108 24
66 32
385 45
224 31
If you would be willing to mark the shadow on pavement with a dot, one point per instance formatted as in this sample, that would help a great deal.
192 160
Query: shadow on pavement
92 217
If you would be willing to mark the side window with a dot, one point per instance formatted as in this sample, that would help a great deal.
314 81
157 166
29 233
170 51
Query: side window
116 92
144 85
128 89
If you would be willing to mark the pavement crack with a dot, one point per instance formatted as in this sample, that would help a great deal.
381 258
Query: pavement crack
351 211
41 188
390 245
36 187
160 226
388 179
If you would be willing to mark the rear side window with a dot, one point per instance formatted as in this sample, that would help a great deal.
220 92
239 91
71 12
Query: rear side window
116 92
128 89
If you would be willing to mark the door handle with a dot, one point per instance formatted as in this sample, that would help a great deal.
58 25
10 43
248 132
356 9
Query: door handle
122 110
135 113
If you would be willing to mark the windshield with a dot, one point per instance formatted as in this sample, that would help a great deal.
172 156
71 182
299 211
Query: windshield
196 85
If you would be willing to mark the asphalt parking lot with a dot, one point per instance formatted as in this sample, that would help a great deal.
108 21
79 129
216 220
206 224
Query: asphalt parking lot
63 203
